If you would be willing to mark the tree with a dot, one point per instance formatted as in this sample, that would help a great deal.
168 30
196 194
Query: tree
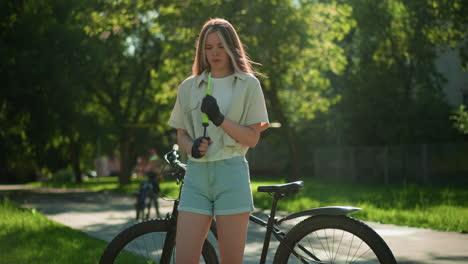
41 67
127 53
460 119
392 91
295 42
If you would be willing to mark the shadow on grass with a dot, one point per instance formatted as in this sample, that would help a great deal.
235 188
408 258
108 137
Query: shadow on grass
28 237
77 202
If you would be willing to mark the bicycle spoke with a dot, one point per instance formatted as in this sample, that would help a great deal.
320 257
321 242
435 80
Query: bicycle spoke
339 245
349 251
352 259
332 246
320 242
328 245
365 252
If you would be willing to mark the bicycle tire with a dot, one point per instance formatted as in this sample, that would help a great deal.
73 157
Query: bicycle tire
332 240
146 242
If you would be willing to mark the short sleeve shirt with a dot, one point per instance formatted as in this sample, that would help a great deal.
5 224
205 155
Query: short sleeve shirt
243 103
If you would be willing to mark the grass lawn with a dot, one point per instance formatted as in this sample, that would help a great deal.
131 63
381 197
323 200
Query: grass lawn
29 237
441 208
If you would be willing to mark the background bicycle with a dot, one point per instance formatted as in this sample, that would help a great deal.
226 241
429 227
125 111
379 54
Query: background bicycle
147 198
148 193
326 235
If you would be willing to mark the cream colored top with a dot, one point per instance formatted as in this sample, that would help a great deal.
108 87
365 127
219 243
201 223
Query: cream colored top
240 99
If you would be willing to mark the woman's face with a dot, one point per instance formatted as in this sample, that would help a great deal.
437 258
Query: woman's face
216 54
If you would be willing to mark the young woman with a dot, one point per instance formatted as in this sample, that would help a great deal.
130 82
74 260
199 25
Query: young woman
217 180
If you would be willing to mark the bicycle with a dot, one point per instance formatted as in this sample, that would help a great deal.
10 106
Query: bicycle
146 197
326 235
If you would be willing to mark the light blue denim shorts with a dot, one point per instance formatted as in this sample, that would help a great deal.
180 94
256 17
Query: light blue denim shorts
217 187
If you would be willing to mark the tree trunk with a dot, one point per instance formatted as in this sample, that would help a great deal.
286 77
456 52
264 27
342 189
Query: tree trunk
125 167
294 155
289 133
75 159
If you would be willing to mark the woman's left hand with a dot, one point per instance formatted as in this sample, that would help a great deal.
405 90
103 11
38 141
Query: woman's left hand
211 109
200 147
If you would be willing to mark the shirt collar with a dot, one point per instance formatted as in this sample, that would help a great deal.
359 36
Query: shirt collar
204 77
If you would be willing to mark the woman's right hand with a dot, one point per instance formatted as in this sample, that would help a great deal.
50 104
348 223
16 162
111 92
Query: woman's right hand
200 147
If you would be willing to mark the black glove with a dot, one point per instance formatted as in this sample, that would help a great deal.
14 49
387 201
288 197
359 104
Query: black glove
211 109
196 144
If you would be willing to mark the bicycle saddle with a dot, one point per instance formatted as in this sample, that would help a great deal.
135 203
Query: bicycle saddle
283 189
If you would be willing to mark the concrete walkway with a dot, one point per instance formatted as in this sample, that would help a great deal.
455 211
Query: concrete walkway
104 215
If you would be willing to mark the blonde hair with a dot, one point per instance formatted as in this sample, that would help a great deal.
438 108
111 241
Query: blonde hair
240 62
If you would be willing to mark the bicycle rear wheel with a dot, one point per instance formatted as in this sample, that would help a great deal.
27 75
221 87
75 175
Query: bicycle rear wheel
333 239
149 242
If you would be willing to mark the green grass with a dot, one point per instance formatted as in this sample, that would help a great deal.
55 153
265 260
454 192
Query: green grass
440 208
28 237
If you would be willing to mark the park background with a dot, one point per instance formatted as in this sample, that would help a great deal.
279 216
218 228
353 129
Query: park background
362 91
368 98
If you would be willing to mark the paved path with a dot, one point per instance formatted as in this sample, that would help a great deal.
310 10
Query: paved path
103 215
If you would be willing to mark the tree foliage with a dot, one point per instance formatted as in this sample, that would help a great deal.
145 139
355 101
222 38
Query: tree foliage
296 44
460 119
41 69
84 78
391 89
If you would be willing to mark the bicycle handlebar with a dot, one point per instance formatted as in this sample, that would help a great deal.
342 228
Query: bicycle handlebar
172 158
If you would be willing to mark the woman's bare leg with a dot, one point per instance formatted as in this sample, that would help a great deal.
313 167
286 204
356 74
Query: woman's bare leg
192 230
232 233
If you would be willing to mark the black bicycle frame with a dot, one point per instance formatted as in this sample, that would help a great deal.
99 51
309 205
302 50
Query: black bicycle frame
270 225
271 229
170 239
279 235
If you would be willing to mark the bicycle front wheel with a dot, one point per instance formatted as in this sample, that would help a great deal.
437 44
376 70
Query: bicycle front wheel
149 242
333 239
